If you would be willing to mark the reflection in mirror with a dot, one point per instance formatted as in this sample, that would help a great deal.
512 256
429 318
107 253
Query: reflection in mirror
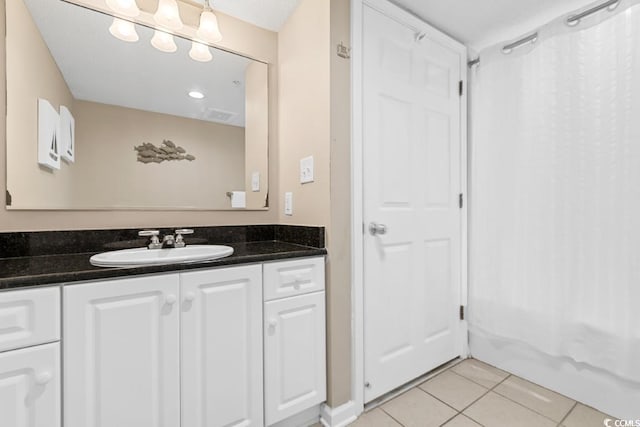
136 127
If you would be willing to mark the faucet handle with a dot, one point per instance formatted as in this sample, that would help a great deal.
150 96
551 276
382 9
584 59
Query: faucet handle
180 243
155 242
184 231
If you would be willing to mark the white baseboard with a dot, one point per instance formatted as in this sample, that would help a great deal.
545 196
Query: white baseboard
341 416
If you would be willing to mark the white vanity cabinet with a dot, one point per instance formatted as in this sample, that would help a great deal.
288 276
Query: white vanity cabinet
232 346
30 376
222 347
181 349
122 353
294 337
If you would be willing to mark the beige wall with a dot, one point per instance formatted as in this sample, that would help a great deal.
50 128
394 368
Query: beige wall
339 241
303 46
238 36
315 119
107 173
256 132
35 73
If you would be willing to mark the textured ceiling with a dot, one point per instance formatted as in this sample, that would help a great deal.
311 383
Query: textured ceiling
481 23
269 14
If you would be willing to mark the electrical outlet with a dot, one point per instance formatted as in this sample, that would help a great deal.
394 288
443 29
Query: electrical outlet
288 204
255 181
306 170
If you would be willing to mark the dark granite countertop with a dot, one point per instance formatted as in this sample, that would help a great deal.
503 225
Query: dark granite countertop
30 271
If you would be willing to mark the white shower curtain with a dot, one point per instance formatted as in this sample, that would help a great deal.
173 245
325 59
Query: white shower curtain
555 192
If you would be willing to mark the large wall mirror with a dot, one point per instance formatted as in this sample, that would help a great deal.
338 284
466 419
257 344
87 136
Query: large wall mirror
95 122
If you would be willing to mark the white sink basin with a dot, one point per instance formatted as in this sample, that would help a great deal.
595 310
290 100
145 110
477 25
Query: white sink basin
139 257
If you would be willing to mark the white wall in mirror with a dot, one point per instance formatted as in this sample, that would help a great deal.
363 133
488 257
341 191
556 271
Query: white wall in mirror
122 95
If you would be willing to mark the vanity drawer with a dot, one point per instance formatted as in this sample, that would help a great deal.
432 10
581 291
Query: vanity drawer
289 278
29 317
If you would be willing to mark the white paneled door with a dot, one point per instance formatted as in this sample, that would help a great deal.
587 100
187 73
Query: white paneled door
412 151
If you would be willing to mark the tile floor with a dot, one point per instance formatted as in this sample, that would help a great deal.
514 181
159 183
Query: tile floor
472 394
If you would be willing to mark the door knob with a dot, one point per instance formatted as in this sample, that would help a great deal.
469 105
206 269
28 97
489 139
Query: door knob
375 229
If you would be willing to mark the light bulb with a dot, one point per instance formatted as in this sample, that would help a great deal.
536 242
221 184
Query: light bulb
209 30
124 7
168 15
200 52
124 30
163 42
196 95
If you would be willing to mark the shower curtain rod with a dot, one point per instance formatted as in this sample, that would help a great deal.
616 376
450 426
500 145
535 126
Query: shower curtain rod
575 19
571 21
531 38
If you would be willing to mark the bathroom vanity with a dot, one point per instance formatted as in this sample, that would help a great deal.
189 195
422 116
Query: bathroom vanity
222 343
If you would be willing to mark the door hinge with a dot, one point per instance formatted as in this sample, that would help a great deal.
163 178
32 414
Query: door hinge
461 200
462 312
460 86
8 198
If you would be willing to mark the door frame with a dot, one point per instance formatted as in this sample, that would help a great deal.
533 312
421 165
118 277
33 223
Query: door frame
357 179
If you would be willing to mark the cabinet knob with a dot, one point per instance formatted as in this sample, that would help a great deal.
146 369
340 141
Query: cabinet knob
190 296
170 299
43 378
273 323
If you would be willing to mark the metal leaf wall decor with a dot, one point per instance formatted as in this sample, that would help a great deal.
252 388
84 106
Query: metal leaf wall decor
168 151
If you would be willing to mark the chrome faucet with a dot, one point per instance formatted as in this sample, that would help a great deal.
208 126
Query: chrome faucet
153 234
168 241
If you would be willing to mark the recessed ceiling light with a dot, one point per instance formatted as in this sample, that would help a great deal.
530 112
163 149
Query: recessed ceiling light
196 95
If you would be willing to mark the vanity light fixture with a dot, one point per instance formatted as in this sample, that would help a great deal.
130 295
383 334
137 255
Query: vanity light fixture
127 8
196 95
209 31
124 30
200 52
168 15
163 42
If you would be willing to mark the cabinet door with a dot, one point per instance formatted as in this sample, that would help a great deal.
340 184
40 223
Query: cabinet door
222 347
121 353
30 387
295 372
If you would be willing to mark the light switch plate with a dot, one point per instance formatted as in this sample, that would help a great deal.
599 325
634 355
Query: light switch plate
288 203
255 181
306 170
